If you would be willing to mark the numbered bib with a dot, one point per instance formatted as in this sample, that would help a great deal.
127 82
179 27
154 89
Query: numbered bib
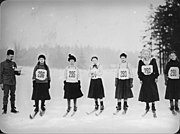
41 74
123 73
72 75
147 69
173 73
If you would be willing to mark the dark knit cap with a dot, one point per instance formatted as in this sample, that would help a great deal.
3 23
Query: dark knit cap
94 57
71 57
10 52
123 55
42 56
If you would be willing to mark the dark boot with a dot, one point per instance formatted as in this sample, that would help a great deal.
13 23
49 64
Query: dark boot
13 108
118 107
36 106
75 108
96 105
147 107
101 106
176 106
153 107
4 109
43 105
125 106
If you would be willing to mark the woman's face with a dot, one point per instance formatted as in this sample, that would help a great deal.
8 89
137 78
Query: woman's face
41 60
147 55
123 59
72 62
95 61
172 56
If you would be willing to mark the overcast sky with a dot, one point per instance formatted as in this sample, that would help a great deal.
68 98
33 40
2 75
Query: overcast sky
117 24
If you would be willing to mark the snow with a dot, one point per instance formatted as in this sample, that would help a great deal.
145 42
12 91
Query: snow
53 122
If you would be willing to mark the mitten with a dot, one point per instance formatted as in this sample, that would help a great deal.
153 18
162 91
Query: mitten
116 82
131 82
49 84
34 83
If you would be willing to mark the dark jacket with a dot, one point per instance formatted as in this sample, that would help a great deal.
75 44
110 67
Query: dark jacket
7 72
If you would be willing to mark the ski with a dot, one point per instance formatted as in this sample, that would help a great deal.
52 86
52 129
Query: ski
124 112
154 114
173 112
42 113
33 115
88 113
145 113
73 113
115 113
177 111
65 114
97 114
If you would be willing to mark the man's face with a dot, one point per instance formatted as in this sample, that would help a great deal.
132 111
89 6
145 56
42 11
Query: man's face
10 57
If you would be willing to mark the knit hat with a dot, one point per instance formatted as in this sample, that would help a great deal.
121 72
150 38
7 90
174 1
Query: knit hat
41 56
123 55
71 57
10 52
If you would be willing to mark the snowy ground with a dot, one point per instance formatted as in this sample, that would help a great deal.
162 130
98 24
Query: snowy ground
53 121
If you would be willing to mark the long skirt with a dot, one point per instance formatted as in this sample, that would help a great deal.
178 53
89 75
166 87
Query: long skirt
123 89
149 91
173 89
96 89
41 92
72 91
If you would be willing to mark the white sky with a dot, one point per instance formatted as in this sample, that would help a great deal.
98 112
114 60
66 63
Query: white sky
117 24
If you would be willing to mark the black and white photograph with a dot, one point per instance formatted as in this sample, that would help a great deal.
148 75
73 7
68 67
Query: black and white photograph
90 66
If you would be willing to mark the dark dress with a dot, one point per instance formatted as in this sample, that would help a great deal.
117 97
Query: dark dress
173 85
96 89
72 90
149 91
41 87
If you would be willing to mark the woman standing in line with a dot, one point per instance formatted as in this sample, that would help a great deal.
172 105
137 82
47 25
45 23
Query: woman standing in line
172 81
72 85
41 85
148 75
96 89
123 83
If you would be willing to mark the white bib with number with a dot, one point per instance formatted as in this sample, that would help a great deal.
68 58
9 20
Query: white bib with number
41 74
72 75
147 69
123 73
173 73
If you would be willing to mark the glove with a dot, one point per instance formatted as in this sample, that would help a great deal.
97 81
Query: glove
64 85
34 84
131 82
49 84
116 82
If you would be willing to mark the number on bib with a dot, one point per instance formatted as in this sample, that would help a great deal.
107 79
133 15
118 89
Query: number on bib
147 70
123 73
72 75
173 73
41 74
